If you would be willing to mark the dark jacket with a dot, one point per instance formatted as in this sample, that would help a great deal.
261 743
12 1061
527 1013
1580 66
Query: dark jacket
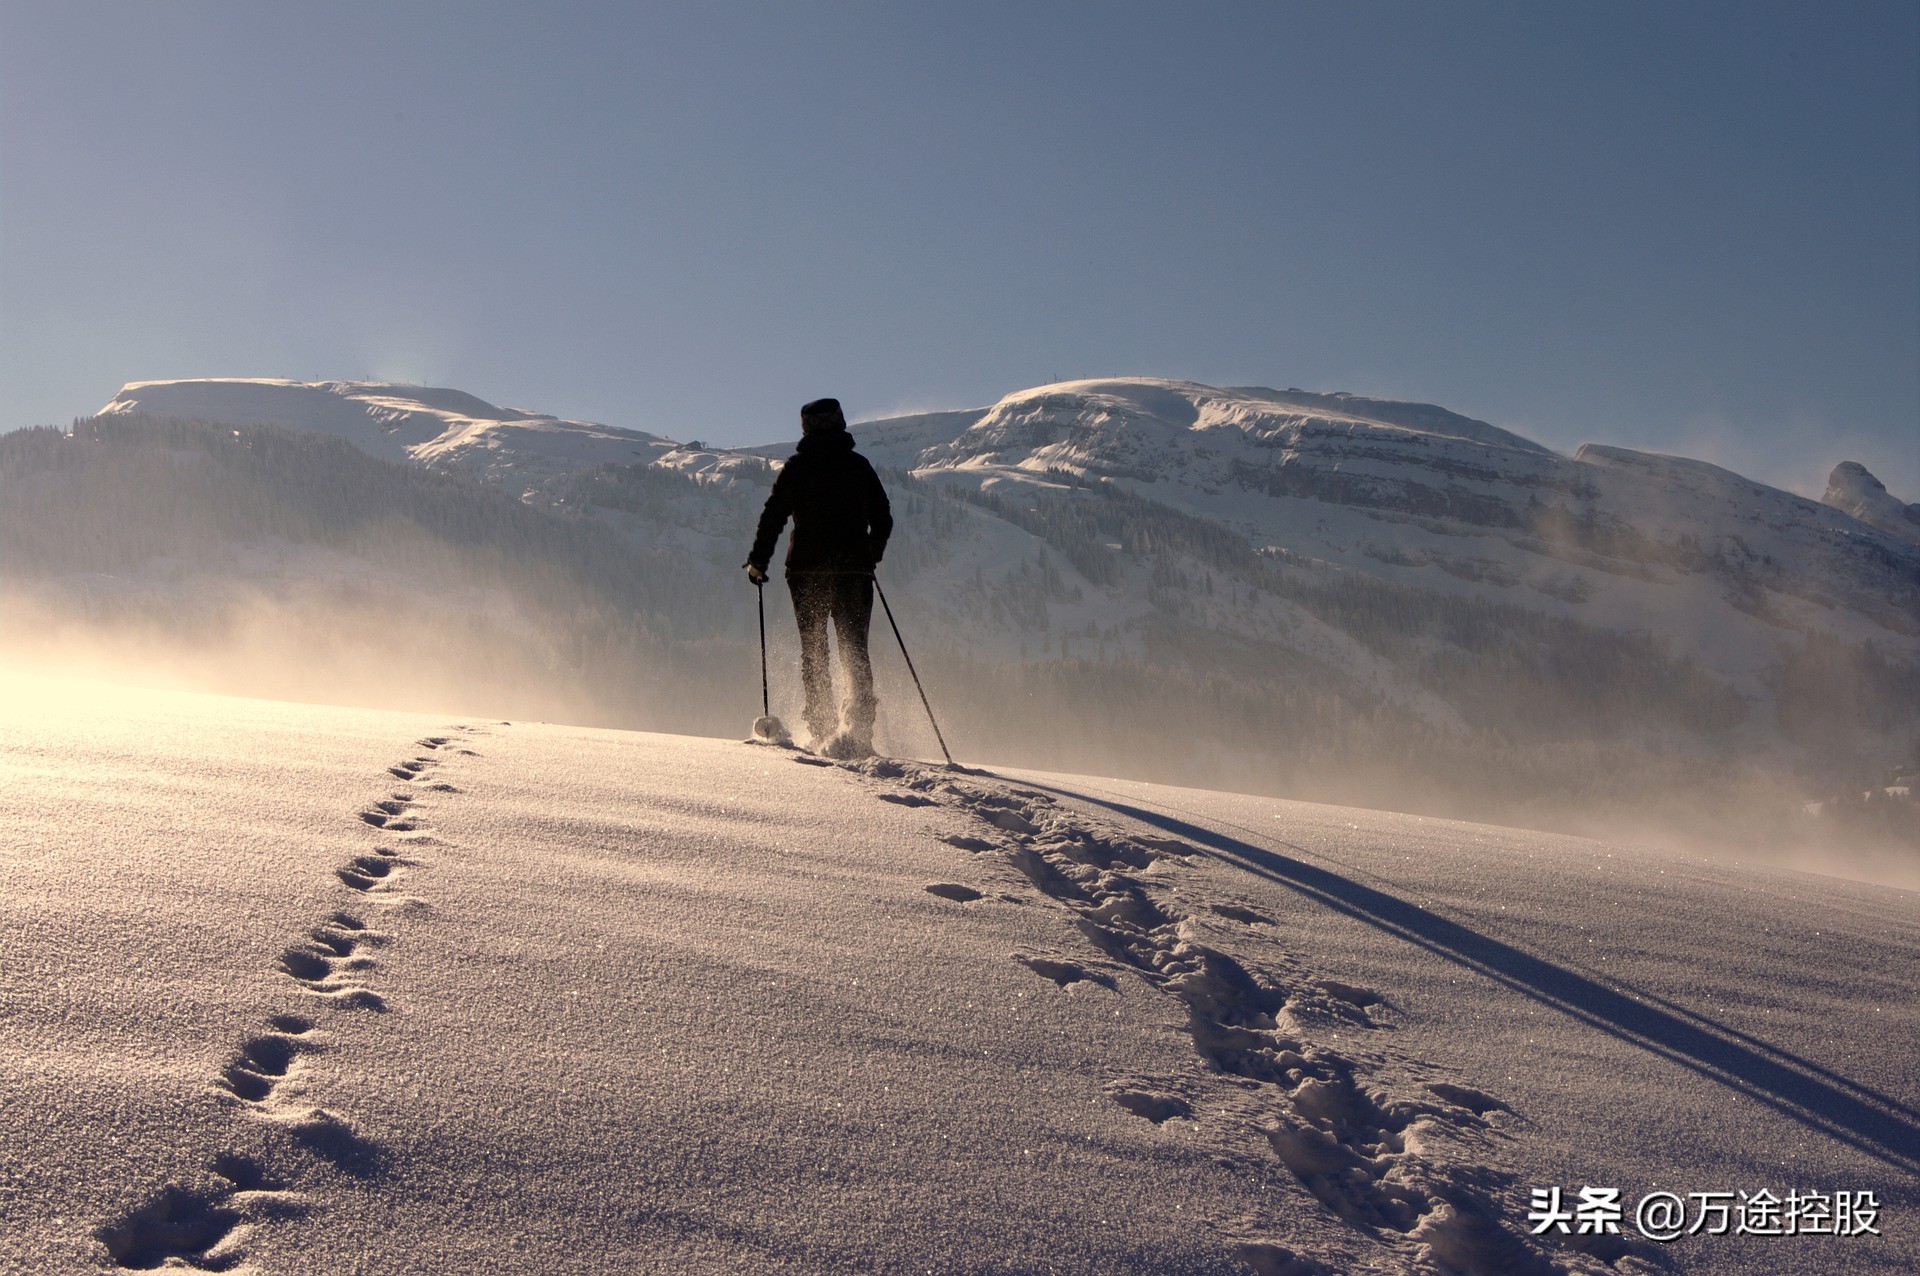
841 519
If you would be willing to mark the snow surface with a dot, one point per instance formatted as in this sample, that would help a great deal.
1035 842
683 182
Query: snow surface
298 989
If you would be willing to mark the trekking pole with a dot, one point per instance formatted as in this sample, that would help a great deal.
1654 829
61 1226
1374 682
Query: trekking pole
766 727
894 625
760 590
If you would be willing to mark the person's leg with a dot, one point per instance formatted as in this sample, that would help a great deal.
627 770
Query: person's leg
852 613
812 603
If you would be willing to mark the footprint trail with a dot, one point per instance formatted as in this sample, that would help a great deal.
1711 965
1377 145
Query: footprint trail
1290 1063
205 1225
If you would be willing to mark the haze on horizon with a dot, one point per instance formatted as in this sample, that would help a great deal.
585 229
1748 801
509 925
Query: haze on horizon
1688 228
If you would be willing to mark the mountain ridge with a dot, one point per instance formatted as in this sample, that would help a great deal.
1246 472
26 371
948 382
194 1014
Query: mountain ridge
449 426
428 424
1329 558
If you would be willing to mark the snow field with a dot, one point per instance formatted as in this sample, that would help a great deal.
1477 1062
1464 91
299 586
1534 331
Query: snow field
303 989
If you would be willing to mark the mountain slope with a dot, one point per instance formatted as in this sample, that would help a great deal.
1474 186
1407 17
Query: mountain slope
1413 493
1730 574
1308 594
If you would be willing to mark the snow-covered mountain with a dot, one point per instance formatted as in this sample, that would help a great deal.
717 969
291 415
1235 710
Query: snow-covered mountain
1353 576
1854 490
1415 494
440 427
1403 492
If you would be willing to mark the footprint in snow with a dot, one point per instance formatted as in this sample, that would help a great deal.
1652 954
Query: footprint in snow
953 891
1009 820
365 872
1353 994
381 813
343 933
262 1064
1155 1105
178 1227
1240 913
306 966
1467 1097
1065 973
198 1228
318 968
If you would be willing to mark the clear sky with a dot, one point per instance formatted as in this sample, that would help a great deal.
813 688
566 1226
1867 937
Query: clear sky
1684 227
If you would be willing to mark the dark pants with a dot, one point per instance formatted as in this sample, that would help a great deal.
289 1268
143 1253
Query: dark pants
846 598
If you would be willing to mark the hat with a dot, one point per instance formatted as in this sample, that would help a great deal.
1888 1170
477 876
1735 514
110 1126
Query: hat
822 414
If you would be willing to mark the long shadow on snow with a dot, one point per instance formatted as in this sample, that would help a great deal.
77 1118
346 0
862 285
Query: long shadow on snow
1856 1115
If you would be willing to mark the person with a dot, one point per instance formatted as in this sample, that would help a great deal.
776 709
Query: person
841 522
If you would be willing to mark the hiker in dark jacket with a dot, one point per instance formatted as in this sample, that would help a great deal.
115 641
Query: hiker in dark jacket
841 522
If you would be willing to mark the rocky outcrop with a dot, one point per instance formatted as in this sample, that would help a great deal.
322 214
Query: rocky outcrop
1852 489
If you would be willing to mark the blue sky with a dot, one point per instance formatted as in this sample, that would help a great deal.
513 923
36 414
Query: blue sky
1685 227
